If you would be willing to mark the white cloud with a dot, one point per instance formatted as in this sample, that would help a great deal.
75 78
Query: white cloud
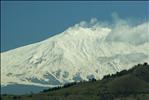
136 35
121 30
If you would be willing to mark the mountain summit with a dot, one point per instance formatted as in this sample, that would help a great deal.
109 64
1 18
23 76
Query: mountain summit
78 53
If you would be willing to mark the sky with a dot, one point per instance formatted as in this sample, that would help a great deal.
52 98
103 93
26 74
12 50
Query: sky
26 22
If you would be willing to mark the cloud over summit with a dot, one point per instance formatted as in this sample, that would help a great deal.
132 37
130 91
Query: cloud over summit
120 30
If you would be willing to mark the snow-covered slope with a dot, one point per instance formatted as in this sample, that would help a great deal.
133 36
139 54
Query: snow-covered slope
78 53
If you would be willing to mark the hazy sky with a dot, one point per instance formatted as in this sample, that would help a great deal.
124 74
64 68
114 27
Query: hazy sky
27 22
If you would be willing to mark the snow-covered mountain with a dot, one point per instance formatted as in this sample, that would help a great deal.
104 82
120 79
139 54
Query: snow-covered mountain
79 53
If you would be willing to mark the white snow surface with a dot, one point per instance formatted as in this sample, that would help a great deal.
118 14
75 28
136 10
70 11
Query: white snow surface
78 53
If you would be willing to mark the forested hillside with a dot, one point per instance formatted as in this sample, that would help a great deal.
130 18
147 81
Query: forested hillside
125 85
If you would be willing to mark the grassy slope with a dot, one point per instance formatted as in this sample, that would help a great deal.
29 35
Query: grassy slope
131 85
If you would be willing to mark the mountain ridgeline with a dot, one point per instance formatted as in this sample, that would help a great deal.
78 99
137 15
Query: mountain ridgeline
132 84
79 53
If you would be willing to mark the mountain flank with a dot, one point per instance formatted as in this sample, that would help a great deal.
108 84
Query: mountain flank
132 84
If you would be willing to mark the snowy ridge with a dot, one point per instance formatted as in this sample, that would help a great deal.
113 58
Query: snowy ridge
78 53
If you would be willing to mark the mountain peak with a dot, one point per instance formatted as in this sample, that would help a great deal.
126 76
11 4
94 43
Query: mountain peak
91 31
76 54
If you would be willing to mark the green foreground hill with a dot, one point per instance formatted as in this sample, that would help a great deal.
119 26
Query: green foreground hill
125 85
